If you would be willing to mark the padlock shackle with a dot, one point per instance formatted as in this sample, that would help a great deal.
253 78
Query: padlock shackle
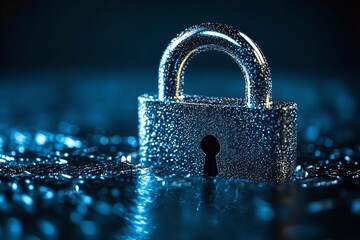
219 37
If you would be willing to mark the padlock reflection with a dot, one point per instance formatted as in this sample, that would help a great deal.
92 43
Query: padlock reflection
257 137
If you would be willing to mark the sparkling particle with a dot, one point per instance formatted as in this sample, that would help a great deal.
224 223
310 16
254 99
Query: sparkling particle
66 176
72 143
27 200
40 138
63 161
19 137
14 186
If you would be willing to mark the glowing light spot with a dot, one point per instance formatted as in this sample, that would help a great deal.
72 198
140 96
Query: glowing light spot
66 176
63 161
21 149
14 228
19 137
14 186
47 228
86 199
104 140
132 141
27 200
319 206
89 228
72 143
312 133
355 206
40 138
103 208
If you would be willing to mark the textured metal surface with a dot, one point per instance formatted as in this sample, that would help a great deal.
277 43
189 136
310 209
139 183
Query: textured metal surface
257 136
218 37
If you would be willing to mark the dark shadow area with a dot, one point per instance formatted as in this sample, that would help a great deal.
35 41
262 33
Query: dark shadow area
85 62
211 147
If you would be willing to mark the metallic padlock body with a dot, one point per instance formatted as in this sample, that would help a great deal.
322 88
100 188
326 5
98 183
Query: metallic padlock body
257 137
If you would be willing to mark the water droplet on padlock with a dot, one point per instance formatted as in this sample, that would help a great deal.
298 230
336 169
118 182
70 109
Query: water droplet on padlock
258 136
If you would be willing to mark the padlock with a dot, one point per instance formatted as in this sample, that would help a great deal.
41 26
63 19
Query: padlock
254 138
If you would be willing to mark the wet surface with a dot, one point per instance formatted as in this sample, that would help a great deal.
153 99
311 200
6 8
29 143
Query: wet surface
59 186
68 170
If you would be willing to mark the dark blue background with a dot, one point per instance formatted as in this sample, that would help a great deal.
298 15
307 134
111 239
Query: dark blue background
85 62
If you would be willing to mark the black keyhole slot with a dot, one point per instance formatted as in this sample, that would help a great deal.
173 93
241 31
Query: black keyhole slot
211 147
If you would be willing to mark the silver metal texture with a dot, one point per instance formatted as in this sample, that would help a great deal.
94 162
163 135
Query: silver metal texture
257 137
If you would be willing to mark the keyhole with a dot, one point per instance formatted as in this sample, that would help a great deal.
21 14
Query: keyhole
211 147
